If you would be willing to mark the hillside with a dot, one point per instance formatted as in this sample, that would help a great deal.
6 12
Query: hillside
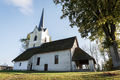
28 75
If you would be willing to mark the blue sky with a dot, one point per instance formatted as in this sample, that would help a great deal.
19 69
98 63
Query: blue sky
19 17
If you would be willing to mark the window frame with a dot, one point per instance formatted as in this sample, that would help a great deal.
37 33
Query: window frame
33 45
45 40
20 64
56 60
35 38
38 61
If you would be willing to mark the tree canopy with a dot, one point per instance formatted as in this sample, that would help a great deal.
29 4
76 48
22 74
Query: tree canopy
94 18
25 42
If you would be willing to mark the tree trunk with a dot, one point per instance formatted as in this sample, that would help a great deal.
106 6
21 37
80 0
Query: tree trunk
115 55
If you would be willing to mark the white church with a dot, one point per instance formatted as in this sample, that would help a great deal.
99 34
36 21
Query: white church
43 54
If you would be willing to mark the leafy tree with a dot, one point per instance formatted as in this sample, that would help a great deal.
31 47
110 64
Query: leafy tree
108 65
95 19
25 42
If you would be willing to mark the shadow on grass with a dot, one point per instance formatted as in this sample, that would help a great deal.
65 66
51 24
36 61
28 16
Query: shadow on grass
108 74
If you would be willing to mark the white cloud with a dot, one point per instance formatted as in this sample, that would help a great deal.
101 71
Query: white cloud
25 6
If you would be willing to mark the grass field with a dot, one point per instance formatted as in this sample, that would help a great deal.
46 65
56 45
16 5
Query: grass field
31 75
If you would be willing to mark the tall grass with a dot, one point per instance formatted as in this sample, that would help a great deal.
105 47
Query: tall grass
33 75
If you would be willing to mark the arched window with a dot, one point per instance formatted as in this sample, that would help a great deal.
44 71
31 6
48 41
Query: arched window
38 61
56 59
35 38
20 64
45 40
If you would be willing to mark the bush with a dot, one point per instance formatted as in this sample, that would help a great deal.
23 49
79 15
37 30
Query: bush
108 65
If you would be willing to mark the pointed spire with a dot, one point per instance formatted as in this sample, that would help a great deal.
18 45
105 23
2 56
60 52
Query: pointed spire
41 24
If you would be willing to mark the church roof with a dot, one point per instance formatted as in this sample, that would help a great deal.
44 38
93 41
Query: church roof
79 54
57 45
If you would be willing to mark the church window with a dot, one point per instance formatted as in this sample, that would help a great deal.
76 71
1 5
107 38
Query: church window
20 64
35 38
56 59
34 45
38 61
45 40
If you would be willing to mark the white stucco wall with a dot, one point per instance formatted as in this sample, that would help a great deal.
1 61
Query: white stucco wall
41 36
72 52
91 65
44 36
73 48
65 62
23 66
49 58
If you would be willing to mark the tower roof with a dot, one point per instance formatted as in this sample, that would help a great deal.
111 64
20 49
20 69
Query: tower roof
41 24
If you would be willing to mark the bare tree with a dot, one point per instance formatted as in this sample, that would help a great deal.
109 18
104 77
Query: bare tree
93 50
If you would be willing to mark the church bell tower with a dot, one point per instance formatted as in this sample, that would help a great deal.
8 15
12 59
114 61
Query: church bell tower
39 35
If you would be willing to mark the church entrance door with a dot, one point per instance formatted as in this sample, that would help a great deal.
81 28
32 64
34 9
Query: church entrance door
46 67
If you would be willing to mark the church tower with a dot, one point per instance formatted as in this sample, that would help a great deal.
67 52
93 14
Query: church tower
39 35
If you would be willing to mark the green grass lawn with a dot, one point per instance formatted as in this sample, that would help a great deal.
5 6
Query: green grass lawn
31 75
